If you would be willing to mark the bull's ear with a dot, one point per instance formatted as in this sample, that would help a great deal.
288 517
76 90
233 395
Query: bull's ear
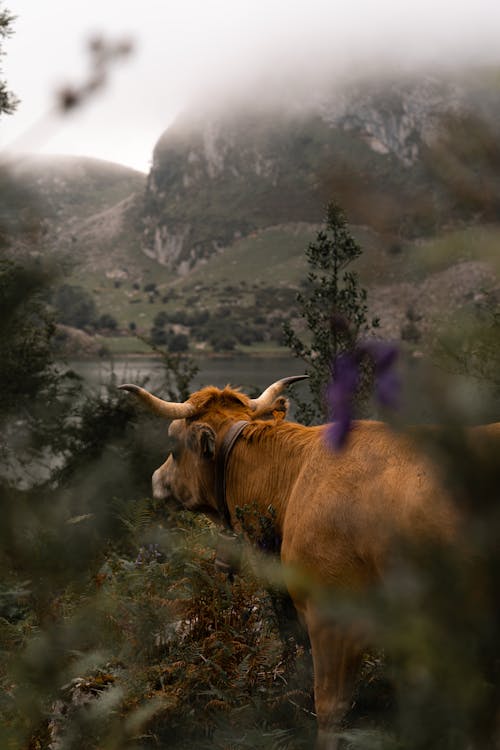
277 410
202 439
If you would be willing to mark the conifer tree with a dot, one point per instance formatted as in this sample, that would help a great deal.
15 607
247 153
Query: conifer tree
334 309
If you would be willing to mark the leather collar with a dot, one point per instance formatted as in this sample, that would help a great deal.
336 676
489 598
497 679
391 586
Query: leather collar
221 462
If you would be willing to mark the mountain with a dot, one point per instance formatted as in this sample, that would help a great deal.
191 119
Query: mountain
212 241
396 154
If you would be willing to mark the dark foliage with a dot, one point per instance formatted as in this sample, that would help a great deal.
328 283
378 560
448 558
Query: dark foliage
26 330
107 322
74 306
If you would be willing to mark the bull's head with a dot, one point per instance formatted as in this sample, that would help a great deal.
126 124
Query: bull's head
195 432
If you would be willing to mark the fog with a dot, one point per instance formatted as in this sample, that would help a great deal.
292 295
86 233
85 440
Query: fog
196 51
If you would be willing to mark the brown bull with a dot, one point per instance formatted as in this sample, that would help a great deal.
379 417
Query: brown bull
337 514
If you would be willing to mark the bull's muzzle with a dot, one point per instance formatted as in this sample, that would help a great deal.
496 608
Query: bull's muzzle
160 487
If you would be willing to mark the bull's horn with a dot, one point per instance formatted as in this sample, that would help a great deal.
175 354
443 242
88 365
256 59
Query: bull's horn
167 409
267 397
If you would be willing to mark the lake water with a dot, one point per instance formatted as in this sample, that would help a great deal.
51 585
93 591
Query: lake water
243 371
424 398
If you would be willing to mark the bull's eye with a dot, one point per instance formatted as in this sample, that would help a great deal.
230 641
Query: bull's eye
175 451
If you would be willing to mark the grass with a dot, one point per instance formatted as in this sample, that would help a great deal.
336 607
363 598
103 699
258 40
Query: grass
479 243
273 256
126 345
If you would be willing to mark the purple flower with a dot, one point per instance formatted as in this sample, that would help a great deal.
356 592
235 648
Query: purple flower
340 395
342 390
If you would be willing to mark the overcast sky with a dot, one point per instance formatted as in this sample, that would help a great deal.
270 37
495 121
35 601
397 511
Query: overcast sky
185 49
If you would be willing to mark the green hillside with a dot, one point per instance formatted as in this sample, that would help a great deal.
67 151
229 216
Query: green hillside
74 187
252 284
46 201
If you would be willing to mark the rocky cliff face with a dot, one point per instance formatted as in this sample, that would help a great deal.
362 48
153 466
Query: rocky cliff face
219 176
213 180
395 117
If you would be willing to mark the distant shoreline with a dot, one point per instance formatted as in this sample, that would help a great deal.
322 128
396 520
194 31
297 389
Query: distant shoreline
237 354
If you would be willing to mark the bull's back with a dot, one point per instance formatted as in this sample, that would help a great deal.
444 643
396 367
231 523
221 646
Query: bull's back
348 508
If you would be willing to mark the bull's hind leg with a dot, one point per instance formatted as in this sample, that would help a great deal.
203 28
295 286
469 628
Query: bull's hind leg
336 653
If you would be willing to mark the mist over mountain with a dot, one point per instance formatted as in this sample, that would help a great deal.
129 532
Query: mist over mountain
395 153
